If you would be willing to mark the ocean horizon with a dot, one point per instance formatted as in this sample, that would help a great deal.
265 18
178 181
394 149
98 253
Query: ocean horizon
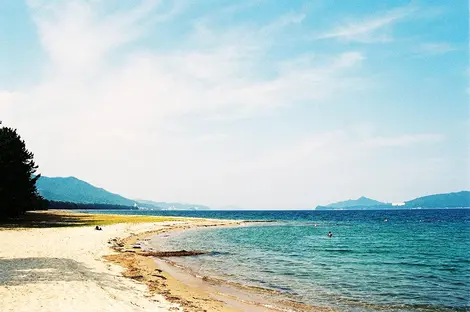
381 260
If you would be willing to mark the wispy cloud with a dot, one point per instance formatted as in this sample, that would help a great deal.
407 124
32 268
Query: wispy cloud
435 48
330 147
210 105
370 29
284 21
98 84
328 160
225 79
77 38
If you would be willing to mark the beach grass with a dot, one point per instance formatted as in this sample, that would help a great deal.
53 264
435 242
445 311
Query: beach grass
60 218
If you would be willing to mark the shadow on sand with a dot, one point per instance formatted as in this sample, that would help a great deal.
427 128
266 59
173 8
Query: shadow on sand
21 271
45 219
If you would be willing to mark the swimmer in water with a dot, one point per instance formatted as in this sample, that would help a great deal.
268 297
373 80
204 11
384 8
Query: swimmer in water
330 234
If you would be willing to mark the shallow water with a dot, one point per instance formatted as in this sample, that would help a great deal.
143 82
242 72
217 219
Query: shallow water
418 260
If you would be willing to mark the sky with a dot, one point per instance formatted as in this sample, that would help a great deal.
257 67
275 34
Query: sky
257 104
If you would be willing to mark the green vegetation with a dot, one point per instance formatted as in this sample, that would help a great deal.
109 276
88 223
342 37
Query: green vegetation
73 190
73 193
18 191
40 219
52 204
360 202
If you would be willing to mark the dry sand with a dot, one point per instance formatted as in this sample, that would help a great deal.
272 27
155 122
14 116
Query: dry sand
74 269
61 269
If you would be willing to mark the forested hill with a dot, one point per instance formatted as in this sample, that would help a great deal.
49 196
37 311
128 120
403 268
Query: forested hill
73 190
74 193
449 200
360 202
172 206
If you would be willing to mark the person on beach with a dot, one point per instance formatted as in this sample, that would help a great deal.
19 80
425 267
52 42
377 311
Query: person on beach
330 234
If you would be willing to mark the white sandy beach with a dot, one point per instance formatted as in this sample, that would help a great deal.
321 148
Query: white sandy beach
61 269
77 269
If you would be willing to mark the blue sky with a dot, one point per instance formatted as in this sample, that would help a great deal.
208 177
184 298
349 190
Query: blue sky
257 104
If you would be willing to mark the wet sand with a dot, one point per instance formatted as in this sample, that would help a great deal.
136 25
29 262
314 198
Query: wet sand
176 285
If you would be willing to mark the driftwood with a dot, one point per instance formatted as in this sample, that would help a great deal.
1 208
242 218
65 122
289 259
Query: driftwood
178 253
118 245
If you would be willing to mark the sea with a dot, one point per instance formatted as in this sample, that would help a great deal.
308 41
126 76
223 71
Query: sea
383 260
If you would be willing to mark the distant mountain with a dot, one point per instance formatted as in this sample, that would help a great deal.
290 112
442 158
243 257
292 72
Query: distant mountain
73 190
449 200
173 206
360 202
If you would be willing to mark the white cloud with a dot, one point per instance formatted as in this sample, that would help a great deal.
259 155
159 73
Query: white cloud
333 146
161 124
324 163
101 93
76 38
220 81
284 21
374 29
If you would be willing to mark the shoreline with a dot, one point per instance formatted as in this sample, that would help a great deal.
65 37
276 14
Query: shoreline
56 261
175 284
65 264
233 296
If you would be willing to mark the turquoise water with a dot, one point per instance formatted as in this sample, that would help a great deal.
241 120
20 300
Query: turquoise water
417 260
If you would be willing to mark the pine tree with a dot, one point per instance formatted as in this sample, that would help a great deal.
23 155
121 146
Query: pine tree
18 177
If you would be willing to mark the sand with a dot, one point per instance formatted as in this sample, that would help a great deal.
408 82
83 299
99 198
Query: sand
75 269
61 269
81 269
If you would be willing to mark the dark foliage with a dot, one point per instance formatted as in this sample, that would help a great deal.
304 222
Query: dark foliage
71 189
18 191
52 204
